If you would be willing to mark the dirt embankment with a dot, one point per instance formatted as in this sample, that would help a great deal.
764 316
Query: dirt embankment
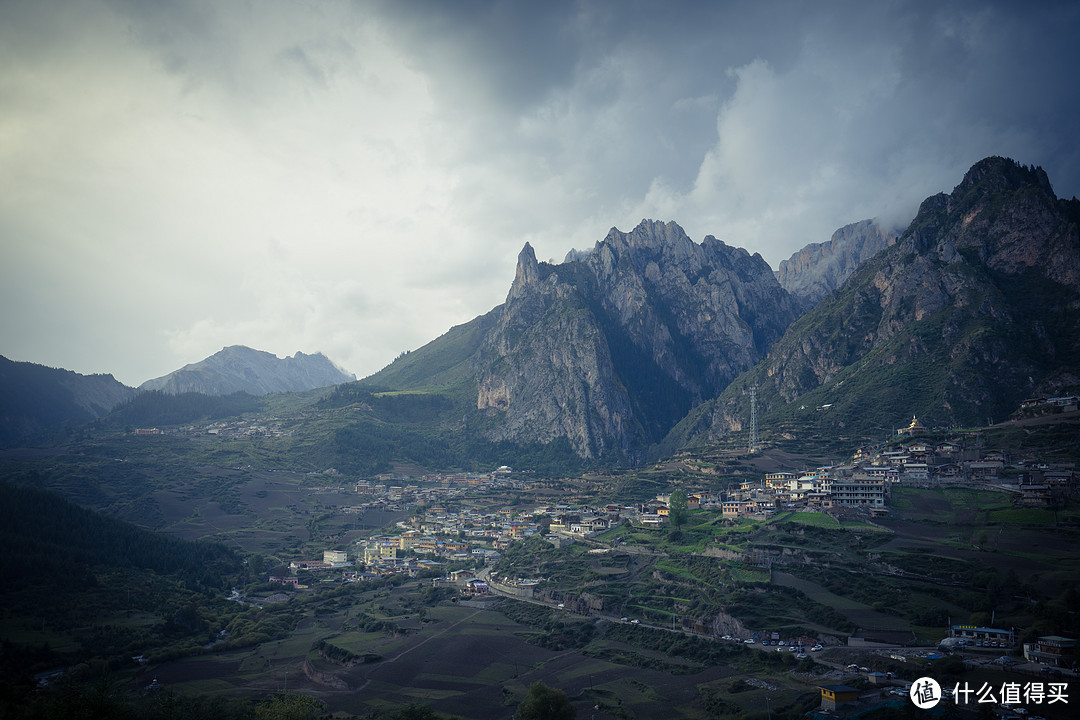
326 679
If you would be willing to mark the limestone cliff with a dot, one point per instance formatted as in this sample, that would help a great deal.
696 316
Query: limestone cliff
612 347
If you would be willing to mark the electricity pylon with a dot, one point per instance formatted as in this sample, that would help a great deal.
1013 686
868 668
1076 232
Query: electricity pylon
751 447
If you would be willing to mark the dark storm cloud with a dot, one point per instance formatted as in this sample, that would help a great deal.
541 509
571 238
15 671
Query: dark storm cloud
355 177
898 98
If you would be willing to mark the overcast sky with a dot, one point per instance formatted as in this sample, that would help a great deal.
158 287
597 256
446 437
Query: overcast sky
357 177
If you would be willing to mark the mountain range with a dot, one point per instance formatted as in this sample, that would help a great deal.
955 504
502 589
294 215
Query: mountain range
973 309
653 340
37 401
819 268
650 342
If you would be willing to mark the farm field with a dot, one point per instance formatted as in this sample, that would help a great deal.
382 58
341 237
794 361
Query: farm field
939 556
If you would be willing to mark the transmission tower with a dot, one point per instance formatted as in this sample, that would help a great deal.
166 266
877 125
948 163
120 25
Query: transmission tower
752 445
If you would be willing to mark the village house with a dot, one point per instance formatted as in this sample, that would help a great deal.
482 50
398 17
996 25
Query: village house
947 448
974 633
1052 650
378 548
948 471
834 697
916 471
984 469
778 479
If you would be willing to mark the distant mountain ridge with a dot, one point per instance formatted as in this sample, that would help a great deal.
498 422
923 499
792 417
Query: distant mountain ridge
819 268
36 401
241 369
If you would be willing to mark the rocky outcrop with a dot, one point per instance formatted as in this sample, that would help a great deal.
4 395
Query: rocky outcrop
545 370
240 369
819 268
612 347
974 308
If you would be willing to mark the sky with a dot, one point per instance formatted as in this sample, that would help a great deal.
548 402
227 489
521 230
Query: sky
355 178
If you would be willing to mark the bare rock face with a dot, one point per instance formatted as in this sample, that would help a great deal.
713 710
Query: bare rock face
819 268
974 308
546 370
703 313
612 347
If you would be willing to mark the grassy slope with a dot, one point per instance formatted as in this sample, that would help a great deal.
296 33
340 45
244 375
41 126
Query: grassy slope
442 364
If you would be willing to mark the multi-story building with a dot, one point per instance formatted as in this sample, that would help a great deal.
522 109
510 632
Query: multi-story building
852 492
335 558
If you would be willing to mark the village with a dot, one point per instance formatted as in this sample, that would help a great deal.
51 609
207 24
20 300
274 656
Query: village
448 524
449 531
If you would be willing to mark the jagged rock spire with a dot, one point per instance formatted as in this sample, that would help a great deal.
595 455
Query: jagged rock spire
528 271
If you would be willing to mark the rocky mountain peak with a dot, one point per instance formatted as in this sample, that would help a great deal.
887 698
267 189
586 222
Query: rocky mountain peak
616 345
649 235
994 174
971 310
528 271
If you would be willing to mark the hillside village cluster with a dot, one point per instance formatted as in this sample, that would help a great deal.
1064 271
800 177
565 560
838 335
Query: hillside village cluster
446 528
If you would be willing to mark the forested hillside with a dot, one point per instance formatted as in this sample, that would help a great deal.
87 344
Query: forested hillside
50 541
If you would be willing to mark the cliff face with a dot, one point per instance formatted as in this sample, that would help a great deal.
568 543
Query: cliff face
611 348
701 313
975 307
818 269
545 370
241 369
